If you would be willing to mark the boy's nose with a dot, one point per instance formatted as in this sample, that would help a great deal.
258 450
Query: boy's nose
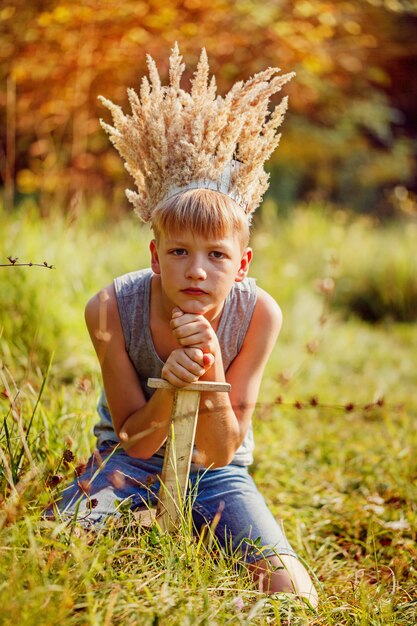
196 271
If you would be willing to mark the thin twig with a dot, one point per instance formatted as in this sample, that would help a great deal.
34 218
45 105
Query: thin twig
13 263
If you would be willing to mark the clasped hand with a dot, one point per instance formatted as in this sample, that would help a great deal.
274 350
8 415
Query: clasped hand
197 341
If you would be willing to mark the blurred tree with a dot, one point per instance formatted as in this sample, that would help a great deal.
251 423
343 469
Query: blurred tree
349 135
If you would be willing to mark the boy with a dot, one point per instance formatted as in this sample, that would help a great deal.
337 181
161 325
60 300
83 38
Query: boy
195 315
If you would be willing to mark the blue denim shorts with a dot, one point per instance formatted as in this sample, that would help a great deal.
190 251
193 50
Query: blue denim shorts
112 480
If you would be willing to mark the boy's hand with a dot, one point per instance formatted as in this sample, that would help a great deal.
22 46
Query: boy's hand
191 330
197 338
185 366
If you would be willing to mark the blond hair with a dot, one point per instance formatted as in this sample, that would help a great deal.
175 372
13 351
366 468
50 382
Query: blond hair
205 212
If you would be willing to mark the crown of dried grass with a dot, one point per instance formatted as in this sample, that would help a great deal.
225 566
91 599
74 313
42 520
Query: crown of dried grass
173 137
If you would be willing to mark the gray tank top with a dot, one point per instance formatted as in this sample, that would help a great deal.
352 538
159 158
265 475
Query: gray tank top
133 299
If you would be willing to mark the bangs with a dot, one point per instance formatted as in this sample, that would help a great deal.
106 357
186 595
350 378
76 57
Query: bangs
205 212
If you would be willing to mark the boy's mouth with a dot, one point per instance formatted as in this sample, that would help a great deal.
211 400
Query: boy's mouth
194 291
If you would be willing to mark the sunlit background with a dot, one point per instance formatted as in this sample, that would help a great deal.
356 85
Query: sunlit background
349 137
334 242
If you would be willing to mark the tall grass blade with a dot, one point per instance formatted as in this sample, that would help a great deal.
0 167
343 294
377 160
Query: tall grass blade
38 399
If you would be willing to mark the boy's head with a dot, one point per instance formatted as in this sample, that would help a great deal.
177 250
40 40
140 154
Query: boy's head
203 212
200 249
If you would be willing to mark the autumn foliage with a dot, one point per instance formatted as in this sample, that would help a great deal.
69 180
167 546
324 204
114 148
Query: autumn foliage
349 134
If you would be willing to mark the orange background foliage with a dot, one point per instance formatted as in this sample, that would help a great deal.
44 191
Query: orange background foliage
349 137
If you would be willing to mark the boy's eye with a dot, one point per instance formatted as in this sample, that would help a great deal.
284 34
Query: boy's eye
217 254
179 252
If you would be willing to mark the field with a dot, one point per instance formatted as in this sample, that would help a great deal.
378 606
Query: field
335 429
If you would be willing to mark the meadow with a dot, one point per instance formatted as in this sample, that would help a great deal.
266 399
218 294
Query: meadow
335 428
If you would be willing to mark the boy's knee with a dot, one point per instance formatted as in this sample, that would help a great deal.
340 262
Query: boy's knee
284 574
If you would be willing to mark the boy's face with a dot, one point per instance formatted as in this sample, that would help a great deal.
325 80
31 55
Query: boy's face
197 273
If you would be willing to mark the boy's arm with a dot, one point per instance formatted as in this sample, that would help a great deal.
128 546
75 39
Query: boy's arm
224 419
131 413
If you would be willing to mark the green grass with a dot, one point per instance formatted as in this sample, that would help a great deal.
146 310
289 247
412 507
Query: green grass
335 432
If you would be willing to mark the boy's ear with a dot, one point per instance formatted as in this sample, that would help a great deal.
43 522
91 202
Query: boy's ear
154 257
244 265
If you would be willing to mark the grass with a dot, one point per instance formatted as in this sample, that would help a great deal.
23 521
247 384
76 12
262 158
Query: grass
335 432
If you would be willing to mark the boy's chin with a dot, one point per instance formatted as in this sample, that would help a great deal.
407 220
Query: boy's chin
194 306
